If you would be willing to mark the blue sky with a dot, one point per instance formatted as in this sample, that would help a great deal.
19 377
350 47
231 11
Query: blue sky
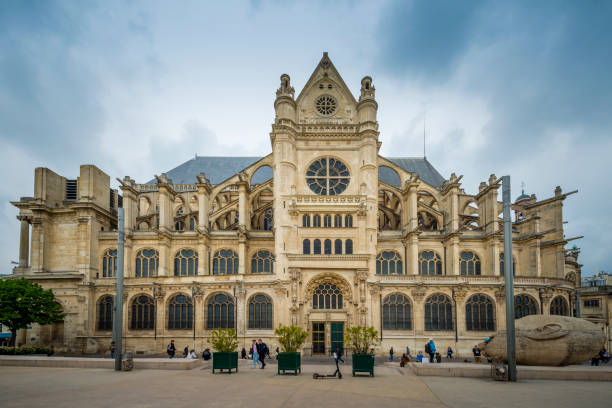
138 87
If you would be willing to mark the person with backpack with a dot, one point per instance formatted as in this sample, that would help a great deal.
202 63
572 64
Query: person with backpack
430 348
171 349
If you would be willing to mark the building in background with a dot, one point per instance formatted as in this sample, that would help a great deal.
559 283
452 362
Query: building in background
596 302
323 232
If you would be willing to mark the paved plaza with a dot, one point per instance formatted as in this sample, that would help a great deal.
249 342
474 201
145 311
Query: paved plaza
391 387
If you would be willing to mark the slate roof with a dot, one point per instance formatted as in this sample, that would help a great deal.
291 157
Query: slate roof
220 168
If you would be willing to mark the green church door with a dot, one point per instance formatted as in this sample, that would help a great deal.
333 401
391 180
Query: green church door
337 337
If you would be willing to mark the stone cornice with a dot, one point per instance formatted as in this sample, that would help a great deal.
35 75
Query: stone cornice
302 257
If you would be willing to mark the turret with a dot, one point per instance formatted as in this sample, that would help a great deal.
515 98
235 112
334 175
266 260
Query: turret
284 105
367 106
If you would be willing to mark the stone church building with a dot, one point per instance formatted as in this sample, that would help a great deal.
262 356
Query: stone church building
323 233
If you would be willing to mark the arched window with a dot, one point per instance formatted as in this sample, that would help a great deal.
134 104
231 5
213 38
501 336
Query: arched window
220 312
337 221
109 263
268 220
316 247
430 263
327 246
316 221
147 261
260 312
397 312
388 263
306 247
338 247
480 313
262 262
327 221
348 221
179 226
469 263
306 220
186 263
180 313
502 265
327 296
192 223
105 313
524 305
559 306
225 262
143 313
438 313
348 247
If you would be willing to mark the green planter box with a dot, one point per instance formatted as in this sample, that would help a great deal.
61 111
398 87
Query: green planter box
225 361
289 362
363 363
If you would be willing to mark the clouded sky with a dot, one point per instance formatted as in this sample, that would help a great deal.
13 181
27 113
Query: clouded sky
138 87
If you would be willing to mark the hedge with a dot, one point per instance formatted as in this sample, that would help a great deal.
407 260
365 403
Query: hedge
20 351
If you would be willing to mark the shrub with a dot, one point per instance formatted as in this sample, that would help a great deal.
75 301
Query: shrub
361 338
224 340
291 338
21 351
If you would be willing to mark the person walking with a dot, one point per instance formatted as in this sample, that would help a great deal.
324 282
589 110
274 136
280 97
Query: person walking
430 348
336 355
262 349
255 352
391 354
339 354
171 349
243 354
408 351
449 353
277 352
112 349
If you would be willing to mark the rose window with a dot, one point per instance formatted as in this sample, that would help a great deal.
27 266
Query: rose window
326 105
327 176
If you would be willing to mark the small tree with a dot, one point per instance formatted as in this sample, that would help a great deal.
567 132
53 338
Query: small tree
291 338
361 338
23 302
224 340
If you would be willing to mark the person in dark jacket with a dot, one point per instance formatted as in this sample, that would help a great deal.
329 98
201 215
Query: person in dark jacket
262 350
171 349
243 355
206 354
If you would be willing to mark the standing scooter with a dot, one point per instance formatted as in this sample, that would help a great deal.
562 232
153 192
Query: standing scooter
317 376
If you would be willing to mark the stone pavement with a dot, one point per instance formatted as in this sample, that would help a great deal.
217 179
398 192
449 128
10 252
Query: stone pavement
391 387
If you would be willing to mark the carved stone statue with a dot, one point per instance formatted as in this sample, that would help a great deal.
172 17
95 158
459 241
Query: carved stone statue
544 340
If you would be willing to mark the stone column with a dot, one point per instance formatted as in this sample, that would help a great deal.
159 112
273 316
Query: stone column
39 244
24 242
460 296
418 298
160 309
242 250
202 258
166 197
198 309
500 309
164 257
242 315
243 203
204 189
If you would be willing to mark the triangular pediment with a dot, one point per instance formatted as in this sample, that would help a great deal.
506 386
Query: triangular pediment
326 88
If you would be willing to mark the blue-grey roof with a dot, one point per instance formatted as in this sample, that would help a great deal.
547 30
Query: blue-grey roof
220 168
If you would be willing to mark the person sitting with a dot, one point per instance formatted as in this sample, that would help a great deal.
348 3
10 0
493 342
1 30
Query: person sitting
604 356
206 354
419 357
405 359
476 352
449 353
192 354
437 358
243 355
595 360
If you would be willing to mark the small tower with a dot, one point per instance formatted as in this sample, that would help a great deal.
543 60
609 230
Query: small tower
367 106
284 105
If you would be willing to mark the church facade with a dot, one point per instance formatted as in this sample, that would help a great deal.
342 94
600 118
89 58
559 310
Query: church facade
323 233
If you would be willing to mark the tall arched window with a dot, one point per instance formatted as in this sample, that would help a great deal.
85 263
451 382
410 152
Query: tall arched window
430 263
348 247
469 263
260 312
327 221
147 261
559 306
225 262
316 247
338 247
524 305
306 247
262 262
220 312
348 221
397 312
316 221
502 265
109 263
438 313
105 313
143 313
192 223
388 263
268 219
180 313
327 296
327 247
186 263
306 220
337 221
480 313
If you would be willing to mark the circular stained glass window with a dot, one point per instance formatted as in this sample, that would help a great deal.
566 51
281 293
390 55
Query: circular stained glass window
326 105
327 176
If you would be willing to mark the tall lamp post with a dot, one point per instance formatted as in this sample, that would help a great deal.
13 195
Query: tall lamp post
118 303
509 280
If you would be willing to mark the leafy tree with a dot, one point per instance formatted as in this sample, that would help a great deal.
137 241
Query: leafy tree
361 338
291 338
224 340
23 302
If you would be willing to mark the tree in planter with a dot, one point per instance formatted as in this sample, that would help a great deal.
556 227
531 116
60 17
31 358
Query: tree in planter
224 340
361 338
23 302
291 339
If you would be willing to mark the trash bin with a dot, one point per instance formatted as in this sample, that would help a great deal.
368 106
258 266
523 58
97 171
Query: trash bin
127 361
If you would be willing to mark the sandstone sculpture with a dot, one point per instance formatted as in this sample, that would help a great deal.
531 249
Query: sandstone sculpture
545 340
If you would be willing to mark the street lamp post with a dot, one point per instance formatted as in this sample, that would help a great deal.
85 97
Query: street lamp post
118 303
509 280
